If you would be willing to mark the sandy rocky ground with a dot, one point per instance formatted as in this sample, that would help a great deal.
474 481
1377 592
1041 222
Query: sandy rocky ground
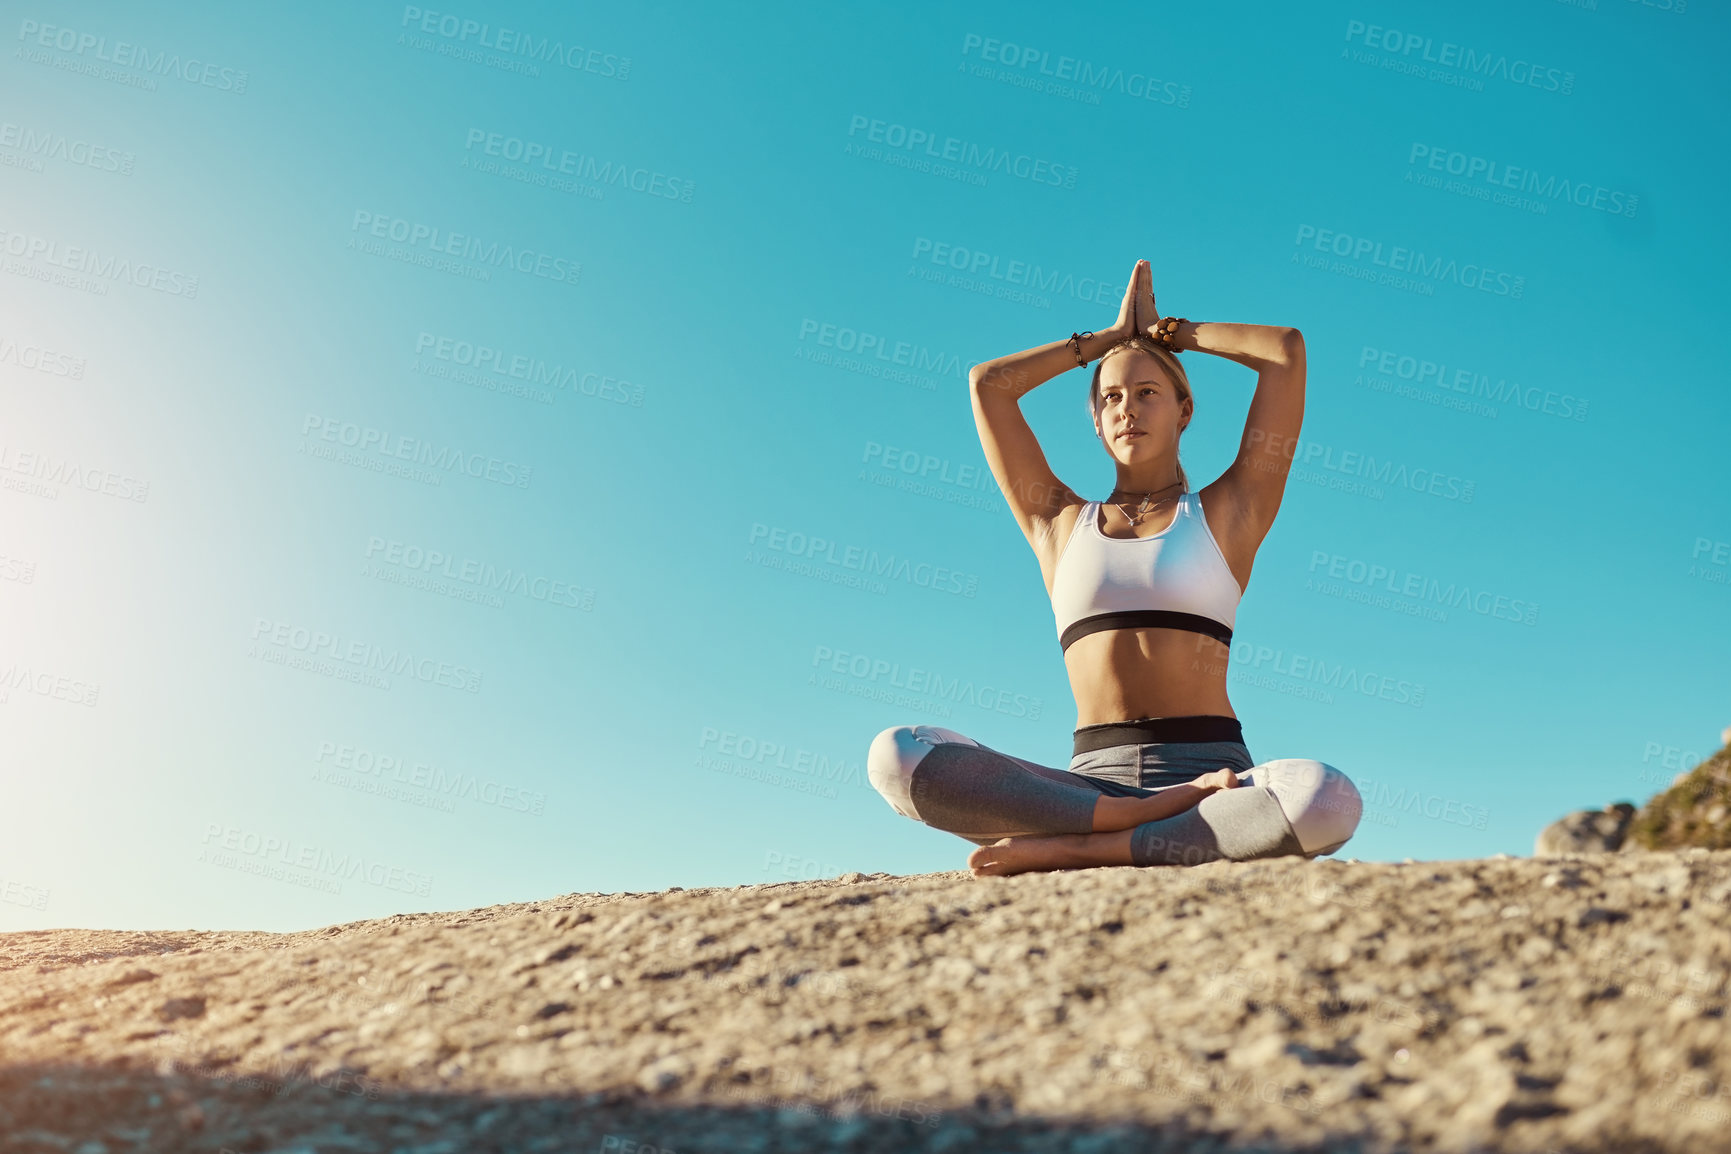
1573 1003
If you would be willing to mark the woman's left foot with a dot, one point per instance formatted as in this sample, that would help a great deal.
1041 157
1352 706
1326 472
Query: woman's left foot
1017 855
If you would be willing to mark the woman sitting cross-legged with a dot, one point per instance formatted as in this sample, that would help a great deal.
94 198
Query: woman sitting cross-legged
1145 588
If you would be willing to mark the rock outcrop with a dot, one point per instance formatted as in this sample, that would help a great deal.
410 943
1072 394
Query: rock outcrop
1694 811
1572 1004
1586 831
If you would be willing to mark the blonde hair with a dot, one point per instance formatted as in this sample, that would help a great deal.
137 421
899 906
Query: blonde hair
1168 360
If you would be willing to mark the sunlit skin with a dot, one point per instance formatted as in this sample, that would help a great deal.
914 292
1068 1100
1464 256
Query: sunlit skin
1139 416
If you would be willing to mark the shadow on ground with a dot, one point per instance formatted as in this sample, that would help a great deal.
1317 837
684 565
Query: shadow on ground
106 1110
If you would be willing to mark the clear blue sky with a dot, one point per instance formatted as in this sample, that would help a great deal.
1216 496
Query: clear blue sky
442 448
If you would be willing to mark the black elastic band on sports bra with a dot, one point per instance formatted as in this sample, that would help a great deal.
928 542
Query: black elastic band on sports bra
1146 730
1145 618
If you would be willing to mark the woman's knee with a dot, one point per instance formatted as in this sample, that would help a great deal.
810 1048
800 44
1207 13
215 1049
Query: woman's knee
1320 802
896 751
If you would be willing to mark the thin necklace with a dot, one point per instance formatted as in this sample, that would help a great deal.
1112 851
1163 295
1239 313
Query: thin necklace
1145 507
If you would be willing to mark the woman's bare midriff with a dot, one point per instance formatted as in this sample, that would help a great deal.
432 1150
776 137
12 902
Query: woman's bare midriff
1120 674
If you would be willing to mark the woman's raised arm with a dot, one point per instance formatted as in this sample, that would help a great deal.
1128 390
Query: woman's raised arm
1256 480
1033 492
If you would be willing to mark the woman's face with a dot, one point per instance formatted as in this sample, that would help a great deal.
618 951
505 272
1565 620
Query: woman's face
1139 412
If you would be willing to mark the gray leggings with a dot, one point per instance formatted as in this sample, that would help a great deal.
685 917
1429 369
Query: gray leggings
1291 806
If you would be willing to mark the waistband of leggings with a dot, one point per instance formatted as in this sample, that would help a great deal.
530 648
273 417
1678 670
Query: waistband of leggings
1147 730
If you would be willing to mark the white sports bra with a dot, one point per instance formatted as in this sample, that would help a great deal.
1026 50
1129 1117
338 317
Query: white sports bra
1176 579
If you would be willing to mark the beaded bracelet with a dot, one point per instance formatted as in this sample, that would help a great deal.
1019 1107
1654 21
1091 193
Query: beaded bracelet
1076 343
1165 329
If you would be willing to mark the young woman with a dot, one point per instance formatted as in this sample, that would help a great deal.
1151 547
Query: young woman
1145 588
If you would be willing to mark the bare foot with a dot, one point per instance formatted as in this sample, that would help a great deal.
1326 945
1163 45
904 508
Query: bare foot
1017 855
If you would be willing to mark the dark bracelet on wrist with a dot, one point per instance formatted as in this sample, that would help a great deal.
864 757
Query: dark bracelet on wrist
1166 329
1076 344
